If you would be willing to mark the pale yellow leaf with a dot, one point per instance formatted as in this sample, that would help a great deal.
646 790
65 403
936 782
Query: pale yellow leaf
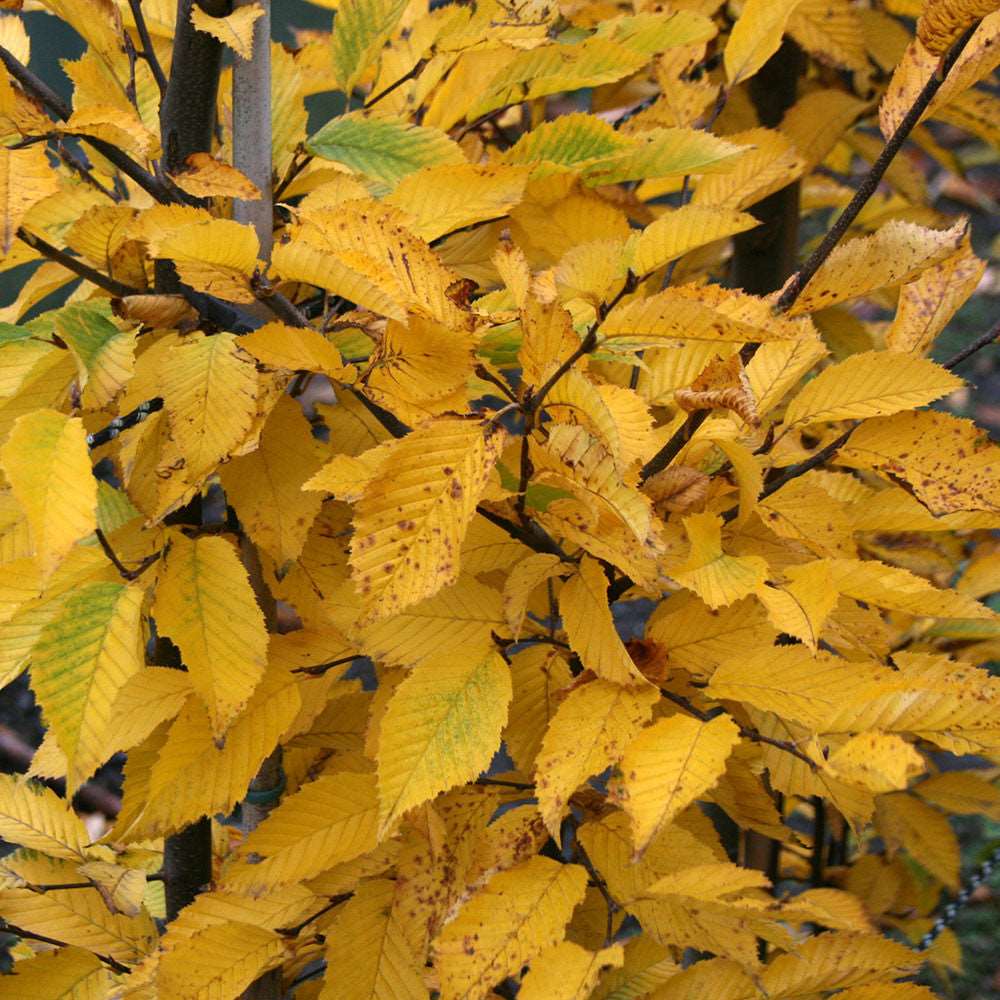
47 464
589 732
442 727
669 765
205 604
513 919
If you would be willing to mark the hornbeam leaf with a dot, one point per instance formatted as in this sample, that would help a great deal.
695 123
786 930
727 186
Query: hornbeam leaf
105 355
872 384
83 658
325 823
515 917
589 732
220 961
25 179
235 29
32 815
368 954
893 254
409 525
755 37
568 971
205 604
70 973
47 464
360 29
442 727
668 765
385 150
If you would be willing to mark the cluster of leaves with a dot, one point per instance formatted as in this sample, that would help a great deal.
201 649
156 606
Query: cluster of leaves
506 398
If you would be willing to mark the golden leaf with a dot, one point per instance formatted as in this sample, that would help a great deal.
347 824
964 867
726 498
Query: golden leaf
942 21
755 37
568 971
204 176
68 972
235 29
925 834
33 816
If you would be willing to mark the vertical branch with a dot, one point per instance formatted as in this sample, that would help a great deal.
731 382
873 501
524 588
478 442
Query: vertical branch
252 127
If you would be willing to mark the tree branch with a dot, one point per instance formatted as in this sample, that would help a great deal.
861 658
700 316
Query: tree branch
20 932
76 265
148 52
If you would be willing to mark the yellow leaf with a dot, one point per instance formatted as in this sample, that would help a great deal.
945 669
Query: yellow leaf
831 31
47 464
206 177
25 179
538 676
710 313
645 966
295 349
442 727
804 512
946 461
442 199
893 254
360 30
205 604
889 991
801 606
755 37
120 126
961 792
590 629
715 977
589 732
513 919
367 951
834 960
216 257
220 961
830 908
522 582
33 816
672 235
549 338
792 683
75 916
905 822
718 579
882 762
122 889
326 822
265 486
927 303
209 388
83 657
235 29
872 384
568 971
70 973
409 525
818 119
669 765
942 21
104 353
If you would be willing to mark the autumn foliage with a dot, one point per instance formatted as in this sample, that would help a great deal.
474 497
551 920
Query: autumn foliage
581 623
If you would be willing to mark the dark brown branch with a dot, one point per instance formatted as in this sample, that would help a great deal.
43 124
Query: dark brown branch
321 668
76 164
10 928
871 181
612 904
409 75
148 52
76 265
521 786
990 337
533 535
334 902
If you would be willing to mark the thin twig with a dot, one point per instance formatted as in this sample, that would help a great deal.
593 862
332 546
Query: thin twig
76 265
534 535
124 571
521 786
321 668
148 52
75 163
870 183
335 901
991 336
409 75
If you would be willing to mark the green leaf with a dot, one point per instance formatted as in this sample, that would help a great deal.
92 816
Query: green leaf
360 29
384 149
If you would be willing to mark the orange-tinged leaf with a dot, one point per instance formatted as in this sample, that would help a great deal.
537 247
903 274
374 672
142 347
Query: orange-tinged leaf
205 604
718 579
669 765
82 659
25 179
235 29
568 971
367 951
33 816
590 731
590 628
206 177
70 973
872 384
514 918
220 961
328 821
895 253
409 525
442 727
47 464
